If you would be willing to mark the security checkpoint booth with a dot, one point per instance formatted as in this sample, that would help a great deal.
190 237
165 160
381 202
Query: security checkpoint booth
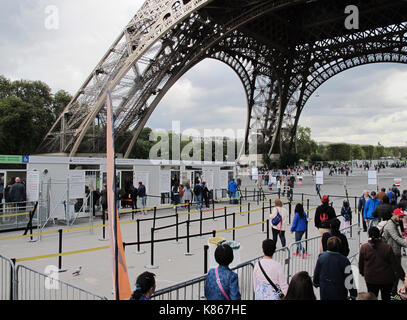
66 187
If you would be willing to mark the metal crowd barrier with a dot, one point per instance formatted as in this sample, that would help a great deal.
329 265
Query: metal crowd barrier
7 276
33 285
194 289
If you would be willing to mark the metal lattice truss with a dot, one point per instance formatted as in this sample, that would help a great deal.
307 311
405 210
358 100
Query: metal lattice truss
282 51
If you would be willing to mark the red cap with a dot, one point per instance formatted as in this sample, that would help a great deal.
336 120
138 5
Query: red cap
398 212
325 198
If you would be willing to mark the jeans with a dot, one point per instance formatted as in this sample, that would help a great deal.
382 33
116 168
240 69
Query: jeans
298 237
143 201
198 199
278 192
280 234
232 196
385 290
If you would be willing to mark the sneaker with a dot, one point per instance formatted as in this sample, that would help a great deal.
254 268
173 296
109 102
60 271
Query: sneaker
306 254
296 254
395 297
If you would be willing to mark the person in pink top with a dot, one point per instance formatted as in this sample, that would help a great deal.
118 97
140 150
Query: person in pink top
268 275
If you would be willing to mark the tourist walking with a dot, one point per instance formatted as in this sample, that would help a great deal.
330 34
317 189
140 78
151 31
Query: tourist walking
198 190
370 207
323 214
269 281
299 226
361 207
221 283
142 194
334 226
392 236
376 260
232 188
333 272
187 195
279 222
346 212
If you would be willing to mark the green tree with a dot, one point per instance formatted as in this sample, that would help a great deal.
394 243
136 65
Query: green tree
357 152
369 151
61 100
339 152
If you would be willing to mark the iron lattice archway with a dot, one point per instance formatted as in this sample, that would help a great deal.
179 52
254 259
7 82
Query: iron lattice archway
282 51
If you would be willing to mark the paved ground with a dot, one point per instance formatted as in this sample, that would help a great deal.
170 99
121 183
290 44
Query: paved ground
174 265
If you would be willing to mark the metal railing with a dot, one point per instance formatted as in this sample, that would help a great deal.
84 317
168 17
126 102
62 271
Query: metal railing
33 285
194 289
7 276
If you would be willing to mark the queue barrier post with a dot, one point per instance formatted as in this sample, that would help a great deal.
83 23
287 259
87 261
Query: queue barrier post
262 217
154 216
60 232
206 249
289 212
234 226
306 231
104 226
268 229
188 253
226 218
151 265
139 251
177 229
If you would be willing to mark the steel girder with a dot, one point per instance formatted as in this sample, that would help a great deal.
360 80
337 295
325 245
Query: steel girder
280 61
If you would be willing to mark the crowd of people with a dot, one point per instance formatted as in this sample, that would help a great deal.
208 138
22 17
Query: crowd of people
379 258
13 193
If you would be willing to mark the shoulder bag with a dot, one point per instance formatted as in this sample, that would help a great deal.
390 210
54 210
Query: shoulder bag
278 290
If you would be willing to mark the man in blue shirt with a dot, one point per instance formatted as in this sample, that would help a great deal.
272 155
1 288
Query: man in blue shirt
370 206
232 188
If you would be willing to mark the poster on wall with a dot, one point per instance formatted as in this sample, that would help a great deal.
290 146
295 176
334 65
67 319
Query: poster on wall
319 177
208 178
165 181
76 184
33 186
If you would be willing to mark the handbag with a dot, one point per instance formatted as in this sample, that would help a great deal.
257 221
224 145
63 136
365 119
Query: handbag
277 219
278 290
220 285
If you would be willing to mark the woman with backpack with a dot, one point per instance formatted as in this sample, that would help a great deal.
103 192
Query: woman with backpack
279 221
376 259
346 213
299 226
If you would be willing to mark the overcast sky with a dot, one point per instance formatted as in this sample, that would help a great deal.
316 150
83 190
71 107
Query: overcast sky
362 105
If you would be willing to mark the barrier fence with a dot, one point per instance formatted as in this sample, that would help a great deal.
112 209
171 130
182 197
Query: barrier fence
33 285
7 278
283 255
194 289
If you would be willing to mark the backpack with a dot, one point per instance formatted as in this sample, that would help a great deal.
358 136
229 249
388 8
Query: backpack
277 219
197 189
